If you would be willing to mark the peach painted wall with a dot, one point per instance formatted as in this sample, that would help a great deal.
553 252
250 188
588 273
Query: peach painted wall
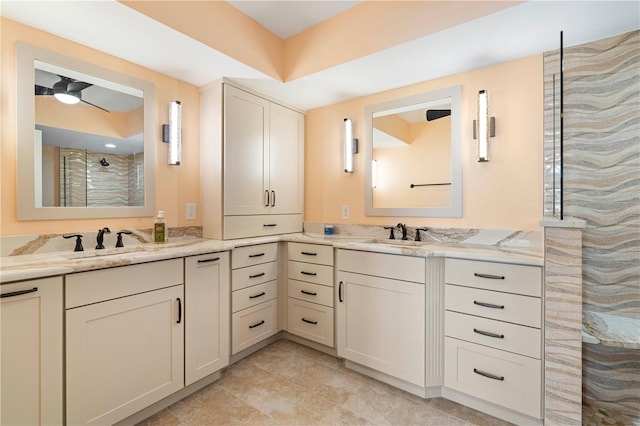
85 118
175 185
505 192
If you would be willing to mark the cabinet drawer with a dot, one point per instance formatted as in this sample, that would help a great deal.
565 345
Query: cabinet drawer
261 225
513 308
497 334
311 253
254 324
97 286
405 268
252 275
513 381
311 321
505 277
253 255
253 295
318 274
313 293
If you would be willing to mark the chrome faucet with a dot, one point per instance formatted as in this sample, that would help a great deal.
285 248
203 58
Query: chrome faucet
100 237
404 230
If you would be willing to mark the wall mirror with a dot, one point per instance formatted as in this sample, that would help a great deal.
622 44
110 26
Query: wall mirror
85 139
413 156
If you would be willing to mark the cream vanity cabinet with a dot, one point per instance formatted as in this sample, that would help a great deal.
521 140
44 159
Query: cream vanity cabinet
31 352
207 292
259 145
124 340
494 333
381 315
310 292
254 296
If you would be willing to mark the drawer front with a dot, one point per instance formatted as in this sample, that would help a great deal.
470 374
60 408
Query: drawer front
253 255
96 286
518 279
405 268
251 296
313 293
497 334
252 275
311 253
311 321
260 225
522 310
253 325
309 272
506 379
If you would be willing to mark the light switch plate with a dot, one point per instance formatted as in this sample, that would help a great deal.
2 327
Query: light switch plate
346 211
191 211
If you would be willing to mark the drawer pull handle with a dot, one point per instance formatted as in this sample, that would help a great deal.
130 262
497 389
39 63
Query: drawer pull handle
19 292
179 311
215 259
256 275
488 305
255 296
313 274
488 333
308 253
310 293
256 255
268 225
258 324
488 276
488 375
340 292
309 321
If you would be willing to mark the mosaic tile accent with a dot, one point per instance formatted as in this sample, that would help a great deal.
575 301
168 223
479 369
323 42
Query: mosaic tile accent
602 187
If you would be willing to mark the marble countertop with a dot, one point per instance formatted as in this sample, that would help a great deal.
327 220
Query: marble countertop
39 265
611 330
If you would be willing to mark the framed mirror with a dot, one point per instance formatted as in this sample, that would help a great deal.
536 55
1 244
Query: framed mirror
85 139
413 159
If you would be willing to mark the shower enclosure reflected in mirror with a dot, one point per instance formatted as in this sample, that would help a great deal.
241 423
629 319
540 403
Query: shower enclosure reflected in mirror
413 156
85 139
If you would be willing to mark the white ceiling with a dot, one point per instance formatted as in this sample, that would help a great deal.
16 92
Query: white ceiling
519 31
287 18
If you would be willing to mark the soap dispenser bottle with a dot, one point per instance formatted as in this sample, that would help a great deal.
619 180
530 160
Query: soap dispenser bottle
160 228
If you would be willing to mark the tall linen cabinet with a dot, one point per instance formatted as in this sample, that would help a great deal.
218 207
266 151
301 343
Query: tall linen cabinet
251 164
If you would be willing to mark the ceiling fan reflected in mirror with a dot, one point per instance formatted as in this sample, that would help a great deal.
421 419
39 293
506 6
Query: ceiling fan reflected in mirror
67 91
434 114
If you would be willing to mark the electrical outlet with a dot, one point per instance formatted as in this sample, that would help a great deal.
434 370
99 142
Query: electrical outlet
191 211
346 211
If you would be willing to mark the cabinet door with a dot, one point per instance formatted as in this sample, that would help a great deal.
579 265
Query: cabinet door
246 167
381 325
123 355
207 315
286 160
31 352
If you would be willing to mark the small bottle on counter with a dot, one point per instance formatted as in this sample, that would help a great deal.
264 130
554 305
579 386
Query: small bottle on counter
160 228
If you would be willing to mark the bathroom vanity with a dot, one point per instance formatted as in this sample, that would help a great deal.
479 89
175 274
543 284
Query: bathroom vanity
144 328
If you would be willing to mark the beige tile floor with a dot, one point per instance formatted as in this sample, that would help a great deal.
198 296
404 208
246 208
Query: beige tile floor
290 384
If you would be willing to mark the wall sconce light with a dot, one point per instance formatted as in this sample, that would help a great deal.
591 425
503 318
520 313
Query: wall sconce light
350 145
172 133
484 127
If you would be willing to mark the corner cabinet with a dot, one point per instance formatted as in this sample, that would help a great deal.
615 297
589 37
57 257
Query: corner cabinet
381 316
259 146
124 340
31 352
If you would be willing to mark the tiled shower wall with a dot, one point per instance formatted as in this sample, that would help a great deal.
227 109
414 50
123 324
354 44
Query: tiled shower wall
85 182
602 187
